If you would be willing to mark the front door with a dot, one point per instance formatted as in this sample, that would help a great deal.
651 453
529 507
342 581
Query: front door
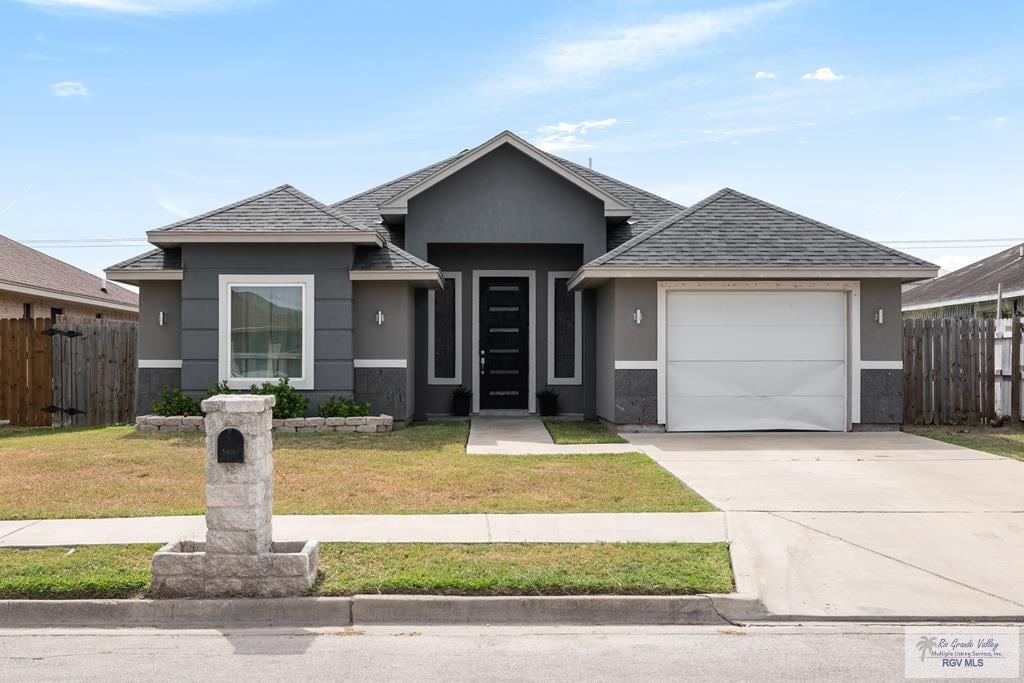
504 343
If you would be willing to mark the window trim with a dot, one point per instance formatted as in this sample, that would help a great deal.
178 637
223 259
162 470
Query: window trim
577 329
225 282
431 377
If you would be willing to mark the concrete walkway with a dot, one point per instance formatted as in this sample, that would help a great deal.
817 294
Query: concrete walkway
862 525
526 436
651 527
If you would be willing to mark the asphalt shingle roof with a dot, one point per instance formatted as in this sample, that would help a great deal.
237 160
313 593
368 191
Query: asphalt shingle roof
21 265
388 257
981 278
282 209
154 259
731 229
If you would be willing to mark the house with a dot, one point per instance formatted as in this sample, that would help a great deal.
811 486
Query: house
34 285
507 270
972 291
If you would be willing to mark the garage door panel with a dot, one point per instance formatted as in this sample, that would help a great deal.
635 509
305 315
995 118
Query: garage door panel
742 360
756 308
766 342
721 414
747 378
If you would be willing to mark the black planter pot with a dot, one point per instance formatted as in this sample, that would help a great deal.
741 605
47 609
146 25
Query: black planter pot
547 404
461 405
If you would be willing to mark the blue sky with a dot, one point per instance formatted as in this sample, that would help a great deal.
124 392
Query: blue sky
900 121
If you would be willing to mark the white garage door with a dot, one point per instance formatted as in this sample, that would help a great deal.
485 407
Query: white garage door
756 360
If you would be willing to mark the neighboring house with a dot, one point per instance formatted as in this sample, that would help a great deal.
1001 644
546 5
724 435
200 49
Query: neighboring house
34 285
507 270
971 291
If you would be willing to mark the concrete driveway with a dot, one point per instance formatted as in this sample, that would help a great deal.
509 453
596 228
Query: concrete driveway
862 524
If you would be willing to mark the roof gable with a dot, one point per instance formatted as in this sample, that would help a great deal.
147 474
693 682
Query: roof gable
278 213
398 204
730 229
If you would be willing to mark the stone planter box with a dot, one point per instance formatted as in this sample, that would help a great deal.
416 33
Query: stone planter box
193 423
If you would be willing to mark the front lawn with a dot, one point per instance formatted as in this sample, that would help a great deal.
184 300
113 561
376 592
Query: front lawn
580 432
119 472
1004 441
421 568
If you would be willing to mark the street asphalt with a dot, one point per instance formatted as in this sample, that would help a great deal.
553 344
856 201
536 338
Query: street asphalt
759 653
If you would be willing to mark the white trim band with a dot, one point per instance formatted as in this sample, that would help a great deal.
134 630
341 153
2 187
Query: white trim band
160 364
636 365
380 363
881 365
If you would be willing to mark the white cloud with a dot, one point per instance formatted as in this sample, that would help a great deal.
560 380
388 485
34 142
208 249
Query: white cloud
579 62
999 120
956 117
567 136
823 74
69 89
763 75
172 208
152 7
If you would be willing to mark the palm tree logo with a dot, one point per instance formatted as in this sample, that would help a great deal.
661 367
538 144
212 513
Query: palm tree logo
926 644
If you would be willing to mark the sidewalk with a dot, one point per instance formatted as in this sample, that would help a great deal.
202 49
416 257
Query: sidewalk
647 527
527 436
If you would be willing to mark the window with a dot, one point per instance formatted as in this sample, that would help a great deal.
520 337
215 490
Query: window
54 312
565 334
99 316
26 311
444 332
266 329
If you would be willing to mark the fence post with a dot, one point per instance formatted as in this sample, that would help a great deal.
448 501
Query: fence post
1015 368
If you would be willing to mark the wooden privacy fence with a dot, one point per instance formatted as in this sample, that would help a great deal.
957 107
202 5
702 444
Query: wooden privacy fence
955 370
72 372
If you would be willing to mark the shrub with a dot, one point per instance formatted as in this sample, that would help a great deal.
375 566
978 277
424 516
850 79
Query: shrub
173 403
343 407
290 403
220 387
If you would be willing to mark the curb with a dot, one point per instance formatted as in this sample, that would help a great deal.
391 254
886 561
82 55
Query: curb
383 609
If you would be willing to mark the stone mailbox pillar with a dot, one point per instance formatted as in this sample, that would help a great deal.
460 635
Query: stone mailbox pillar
239 557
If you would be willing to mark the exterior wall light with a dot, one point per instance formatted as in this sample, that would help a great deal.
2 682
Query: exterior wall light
638 316
880 317
379 317
162 318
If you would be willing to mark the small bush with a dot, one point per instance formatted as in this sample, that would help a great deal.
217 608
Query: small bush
343 407
220 387
173 403
290 403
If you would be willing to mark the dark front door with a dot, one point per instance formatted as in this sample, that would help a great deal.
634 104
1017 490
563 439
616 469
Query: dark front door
504 343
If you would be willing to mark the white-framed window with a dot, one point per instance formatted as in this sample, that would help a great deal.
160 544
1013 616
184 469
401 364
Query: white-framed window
265 329
565 330
444 332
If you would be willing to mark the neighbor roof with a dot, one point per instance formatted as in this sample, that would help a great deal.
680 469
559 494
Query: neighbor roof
977 282
23 269
279 212
731 229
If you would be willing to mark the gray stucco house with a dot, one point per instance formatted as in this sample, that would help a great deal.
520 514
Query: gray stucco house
507 270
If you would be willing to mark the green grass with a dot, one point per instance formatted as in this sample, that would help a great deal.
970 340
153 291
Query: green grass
440 569
1004 441
580 432
119 472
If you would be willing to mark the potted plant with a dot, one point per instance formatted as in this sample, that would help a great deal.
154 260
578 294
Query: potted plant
461 401
547 401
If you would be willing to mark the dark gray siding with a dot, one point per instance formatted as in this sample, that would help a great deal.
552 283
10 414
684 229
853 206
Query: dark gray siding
329 263
505 198
389 390
885 341
156 341
436 399
605 350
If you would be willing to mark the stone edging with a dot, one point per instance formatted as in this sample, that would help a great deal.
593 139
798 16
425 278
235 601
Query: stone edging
382 609
194 423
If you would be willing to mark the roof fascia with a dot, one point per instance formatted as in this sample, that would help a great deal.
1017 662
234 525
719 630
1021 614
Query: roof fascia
1008 294
430 278
370 237
63 296
133 276
589 276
